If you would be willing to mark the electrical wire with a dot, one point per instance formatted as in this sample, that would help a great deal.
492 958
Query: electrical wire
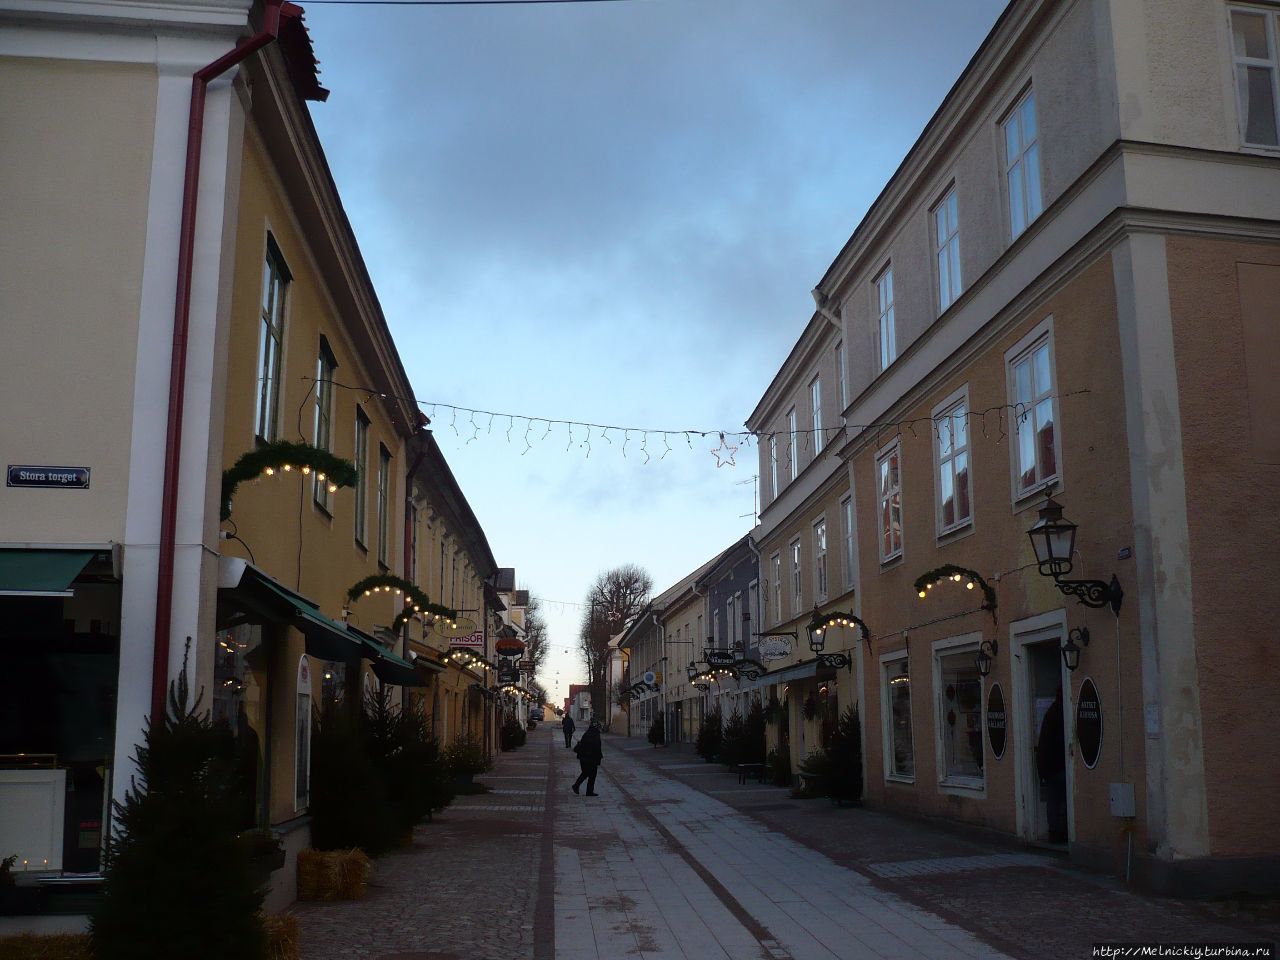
450 3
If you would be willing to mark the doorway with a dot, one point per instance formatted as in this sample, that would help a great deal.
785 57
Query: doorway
1045 773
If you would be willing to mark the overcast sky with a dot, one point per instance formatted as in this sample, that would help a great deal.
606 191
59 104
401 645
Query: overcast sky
614 213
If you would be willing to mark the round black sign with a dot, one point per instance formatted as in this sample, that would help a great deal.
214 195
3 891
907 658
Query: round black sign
997 722
1089 723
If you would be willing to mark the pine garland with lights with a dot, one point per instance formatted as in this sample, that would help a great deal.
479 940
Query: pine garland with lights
416 600
949 571
284 456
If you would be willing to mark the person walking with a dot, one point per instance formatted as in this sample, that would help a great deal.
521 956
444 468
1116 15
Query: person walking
568 727
589 756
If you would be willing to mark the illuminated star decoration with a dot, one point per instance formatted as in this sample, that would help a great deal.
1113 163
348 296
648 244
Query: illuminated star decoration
724 453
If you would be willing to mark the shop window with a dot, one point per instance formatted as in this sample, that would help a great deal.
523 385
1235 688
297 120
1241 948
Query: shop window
900 761
333 684
959 711
239 700
302 740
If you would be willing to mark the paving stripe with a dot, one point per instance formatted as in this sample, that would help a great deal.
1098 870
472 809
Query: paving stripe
544 919
941 865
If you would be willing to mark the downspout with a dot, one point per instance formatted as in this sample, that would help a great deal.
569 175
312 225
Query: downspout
181 324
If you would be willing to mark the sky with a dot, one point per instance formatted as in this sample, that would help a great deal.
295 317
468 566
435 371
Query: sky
614 213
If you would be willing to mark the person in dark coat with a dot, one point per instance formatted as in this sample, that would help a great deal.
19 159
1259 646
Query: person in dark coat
568 727
589 756
1051 765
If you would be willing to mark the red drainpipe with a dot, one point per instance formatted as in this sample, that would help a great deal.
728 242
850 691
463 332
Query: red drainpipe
181 324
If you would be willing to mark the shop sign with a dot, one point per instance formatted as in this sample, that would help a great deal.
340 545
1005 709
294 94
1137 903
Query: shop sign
526 666
509 647
721 658
997 721
1089 723
64 478
508 676
472 641
774 648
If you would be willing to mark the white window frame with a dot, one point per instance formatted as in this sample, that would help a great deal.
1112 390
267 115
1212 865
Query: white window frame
1272 19
753 607
272 307
884 309
773 465
946 250
850 541
1017 171
361 506
776 561
894 447
842 377
797 577
792 432
384 502
1019 352
821 582
815 403
944 420
886 717
326 367
955 785
715 629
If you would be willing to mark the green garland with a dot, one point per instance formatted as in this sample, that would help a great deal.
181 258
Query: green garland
826 621
418 601
949 570
284 455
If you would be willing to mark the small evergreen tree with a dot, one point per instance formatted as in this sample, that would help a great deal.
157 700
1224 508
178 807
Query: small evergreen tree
734 745
844 752
349 802
657 735
177 882
753 740
710 736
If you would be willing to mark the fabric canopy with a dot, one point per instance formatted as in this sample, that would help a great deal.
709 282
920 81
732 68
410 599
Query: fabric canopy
800 671
387 666
40 573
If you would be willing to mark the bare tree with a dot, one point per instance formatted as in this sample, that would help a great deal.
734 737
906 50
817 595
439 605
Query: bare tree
535 634
613 601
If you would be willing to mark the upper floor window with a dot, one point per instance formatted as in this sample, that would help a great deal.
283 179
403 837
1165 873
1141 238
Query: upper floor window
1034 417
815 397
889 487
1022 164
325 367
275 282
888 336
795 576
773 465
952 433
846 512
384 485
946 223
793 453
843 378
775 572
362 483
1253 41
820 560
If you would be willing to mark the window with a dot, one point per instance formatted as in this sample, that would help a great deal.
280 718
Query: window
846 512
325 367
795 577
815 398
362 484
384 483
793 453
1253 41
715 628
958 691
899 754
1022 164
946 222
888 334
275 282
820 560
302 739
412 572
776 574
753 607
1036 446
842 377
952 445
889 485
773 464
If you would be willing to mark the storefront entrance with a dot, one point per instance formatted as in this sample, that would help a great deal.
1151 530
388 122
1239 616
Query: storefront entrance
1044 774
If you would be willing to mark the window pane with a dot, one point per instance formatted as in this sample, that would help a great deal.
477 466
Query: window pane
940 223
1249 32
1028 117
902 762
893 469
896 507
1022 382
961 715
1017 205
944 435
944 280
960 425
946 494
953 215
1256 93
1026 453
1012 144
1031 169
1044 434
886 525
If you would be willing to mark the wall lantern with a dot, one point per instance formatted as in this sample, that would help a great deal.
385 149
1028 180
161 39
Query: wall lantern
987 651
1054 540
818 626
1071 650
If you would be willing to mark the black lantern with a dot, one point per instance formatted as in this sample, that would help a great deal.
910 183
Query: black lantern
987 651
691 670
1071 650
817 632
1054 540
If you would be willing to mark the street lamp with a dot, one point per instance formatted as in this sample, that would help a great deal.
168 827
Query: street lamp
1071 650
817 628
987 651
1054 540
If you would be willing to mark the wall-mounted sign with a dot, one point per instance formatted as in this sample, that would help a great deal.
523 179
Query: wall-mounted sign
509 647
65 478
472 641
526 666
774 648
508 676
1089 723
721 658
997 722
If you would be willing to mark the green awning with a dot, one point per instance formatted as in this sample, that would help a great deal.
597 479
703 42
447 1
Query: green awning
246 591
387 666
40 573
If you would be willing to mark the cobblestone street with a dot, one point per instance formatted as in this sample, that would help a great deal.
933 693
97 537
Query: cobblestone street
675 859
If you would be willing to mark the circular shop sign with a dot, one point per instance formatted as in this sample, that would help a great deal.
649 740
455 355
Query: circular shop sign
997 722
1089 723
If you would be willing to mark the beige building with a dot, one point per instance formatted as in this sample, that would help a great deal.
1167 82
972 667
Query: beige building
1068 286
